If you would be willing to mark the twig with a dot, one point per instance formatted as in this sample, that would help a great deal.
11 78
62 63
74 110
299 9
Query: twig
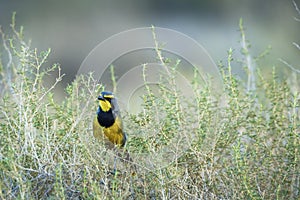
58 79
297 9
158 51
9 62
296 45
113 79
249 63
289 65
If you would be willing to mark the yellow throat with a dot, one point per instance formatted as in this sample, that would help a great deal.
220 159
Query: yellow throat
104 105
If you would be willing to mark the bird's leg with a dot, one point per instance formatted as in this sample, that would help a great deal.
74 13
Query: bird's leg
116 155
115 165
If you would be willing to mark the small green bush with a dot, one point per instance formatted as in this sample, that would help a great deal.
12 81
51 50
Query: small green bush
246 148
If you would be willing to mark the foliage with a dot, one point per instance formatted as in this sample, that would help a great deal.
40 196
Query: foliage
246 148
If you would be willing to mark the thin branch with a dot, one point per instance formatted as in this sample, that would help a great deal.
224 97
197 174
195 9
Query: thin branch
58 79
289 65
113 79
298 11
296 45
248 59
9 62
296 7
158 51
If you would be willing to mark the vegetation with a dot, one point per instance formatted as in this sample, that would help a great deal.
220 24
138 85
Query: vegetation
246 148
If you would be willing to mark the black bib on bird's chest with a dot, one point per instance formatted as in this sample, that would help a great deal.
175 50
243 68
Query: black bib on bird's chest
105 119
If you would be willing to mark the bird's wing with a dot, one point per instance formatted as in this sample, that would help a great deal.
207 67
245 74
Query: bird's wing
117 115
115 108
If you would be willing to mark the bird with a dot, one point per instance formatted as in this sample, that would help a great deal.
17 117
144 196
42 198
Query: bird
108 126
107 123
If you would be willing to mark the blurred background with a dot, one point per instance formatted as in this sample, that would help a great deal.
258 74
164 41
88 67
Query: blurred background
72 28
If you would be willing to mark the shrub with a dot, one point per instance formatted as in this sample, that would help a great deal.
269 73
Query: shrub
246 149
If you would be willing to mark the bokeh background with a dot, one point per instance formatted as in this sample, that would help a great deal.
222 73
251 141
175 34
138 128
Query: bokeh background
72 28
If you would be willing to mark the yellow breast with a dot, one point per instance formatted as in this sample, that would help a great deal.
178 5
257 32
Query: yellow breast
113 133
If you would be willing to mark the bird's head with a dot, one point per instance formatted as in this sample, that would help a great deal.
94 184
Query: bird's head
107 95
105 101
